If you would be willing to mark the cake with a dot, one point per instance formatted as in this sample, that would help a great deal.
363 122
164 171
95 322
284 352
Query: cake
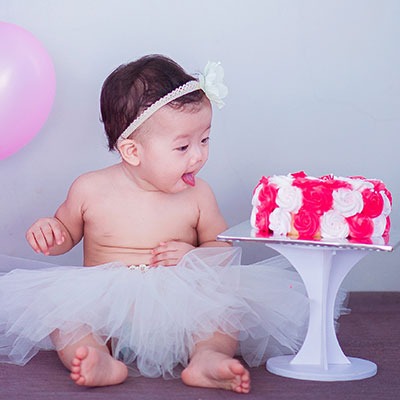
329 207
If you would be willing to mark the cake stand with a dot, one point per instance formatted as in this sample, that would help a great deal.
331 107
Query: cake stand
322 264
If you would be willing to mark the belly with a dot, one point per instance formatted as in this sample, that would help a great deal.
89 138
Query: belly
128 256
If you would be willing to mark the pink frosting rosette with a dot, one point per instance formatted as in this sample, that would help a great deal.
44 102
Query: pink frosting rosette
373 203
306 223
316 195
360 226
262 219
334 182
264 201
380 187
267 194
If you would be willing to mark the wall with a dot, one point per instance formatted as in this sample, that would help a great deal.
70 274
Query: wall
314 86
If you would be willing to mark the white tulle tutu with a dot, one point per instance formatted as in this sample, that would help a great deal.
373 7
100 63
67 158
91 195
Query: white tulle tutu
153 318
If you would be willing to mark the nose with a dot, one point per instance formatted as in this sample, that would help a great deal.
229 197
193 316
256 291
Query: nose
197 155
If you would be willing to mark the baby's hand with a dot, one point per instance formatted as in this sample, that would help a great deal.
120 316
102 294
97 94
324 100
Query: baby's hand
170 253
44 234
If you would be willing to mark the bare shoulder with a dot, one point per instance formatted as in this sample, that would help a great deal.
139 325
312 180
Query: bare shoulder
90 184
94 178
204 194
202 188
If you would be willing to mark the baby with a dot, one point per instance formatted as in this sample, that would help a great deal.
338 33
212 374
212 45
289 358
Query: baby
148 210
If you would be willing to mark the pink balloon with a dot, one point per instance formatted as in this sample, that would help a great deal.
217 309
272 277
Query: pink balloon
27 87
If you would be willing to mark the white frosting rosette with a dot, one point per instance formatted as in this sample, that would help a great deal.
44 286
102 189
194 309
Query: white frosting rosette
387 208
289 198
280 222
379 225
281 181
253 218
347 202
358 184
334 225
255 202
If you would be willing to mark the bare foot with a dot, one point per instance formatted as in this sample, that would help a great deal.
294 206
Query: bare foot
216 370
93 367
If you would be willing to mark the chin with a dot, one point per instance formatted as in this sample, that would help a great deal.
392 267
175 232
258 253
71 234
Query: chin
174 190
182 186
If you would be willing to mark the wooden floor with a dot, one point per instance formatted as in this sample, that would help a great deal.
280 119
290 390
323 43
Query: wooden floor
371 331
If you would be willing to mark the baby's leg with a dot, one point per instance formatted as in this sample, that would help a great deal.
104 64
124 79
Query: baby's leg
91 363
212 365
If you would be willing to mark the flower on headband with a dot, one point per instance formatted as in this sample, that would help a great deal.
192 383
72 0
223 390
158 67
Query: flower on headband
211 81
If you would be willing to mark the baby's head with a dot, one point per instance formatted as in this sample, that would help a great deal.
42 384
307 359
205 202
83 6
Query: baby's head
134 87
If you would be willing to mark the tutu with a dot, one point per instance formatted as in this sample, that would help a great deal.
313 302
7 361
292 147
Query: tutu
153 317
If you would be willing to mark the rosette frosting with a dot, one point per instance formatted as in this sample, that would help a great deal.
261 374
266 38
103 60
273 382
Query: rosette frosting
327 207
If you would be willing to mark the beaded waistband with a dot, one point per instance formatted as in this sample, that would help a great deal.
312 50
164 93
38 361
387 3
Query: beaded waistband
140 267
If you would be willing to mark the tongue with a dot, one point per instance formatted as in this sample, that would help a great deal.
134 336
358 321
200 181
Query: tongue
189 179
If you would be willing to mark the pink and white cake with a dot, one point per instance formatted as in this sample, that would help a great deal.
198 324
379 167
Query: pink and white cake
329 207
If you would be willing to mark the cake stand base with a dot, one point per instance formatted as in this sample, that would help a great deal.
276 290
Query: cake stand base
356 369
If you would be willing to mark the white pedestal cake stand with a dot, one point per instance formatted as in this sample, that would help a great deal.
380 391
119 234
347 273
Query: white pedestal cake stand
322 264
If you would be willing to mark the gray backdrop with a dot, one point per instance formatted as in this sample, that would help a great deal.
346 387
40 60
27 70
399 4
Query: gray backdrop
314 85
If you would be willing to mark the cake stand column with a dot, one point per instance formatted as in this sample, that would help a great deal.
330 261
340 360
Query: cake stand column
321 357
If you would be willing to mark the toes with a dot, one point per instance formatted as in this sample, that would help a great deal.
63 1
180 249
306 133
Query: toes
229 374
81 353
242 389
76 362
75 369
243 376
74 376
237 368
246 387
80 381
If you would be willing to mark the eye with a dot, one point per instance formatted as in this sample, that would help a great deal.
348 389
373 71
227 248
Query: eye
205 140
182 148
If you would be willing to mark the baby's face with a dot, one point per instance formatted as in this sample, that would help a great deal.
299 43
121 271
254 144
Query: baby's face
174 147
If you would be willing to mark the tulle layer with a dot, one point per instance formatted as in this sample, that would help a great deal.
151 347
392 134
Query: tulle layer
153 319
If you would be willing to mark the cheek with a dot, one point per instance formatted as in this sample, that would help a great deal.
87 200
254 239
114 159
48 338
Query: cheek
205 155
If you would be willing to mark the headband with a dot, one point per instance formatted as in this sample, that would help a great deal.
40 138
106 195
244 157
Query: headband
210 82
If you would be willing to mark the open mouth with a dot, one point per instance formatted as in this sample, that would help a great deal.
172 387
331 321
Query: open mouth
189 178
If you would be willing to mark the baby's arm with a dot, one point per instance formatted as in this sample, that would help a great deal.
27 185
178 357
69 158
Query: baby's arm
59 234
49 236
211 222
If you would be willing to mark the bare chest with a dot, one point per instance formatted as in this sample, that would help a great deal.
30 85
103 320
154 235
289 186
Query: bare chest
141 223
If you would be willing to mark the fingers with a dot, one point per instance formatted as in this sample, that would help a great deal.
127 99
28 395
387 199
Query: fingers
170 253
44 234
164 254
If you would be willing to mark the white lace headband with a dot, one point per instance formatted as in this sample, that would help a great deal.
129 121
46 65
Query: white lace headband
211 82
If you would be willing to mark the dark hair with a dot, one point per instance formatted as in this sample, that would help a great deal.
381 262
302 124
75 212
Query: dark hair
133 87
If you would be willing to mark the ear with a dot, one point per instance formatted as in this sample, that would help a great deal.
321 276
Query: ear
129 151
